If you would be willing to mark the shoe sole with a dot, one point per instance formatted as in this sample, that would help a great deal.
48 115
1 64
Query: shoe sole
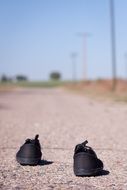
28 161
83 172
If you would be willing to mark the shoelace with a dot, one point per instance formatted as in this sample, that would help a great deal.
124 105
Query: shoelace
84 143
35 140
82 147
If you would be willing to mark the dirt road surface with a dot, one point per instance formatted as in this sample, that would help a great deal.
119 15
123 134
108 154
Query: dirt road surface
62 119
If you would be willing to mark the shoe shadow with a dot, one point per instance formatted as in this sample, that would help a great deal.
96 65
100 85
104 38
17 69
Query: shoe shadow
45 162
102 173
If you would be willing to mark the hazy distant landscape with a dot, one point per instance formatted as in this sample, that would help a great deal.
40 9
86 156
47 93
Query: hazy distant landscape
95 88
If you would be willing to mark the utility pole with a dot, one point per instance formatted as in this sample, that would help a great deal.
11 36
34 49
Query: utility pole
74 66
84 35
113 45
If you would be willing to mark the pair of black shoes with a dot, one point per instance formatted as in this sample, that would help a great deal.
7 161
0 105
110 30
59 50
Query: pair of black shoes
86 162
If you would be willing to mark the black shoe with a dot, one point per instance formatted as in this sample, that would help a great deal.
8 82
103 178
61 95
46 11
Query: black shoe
86 162
30 152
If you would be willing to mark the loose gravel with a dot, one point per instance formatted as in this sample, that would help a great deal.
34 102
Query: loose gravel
62 119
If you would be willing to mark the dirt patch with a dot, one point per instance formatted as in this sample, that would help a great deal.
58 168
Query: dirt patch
102 89
7 87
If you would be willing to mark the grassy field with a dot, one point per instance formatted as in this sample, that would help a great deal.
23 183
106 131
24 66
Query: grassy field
7 86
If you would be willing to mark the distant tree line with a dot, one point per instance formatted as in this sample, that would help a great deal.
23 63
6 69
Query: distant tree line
17 78
55 75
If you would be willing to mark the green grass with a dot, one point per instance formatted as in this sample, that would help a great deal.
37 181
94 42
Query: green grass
41 84
33 84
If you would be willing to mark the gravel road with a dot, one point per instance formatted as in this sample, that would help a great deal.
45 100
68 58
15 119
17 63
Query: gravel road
62 119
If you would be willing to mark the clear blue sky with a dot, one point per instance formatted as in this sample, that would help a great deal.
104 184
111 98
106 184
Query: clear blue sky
38 36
